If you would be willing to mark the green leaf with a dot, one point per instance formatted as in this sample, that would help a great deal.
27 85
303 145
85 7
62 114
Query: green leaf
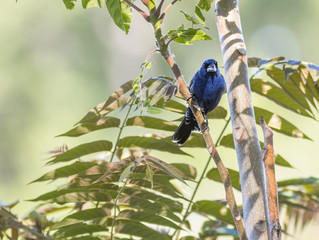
278 123
151 122
187 36
298 181
92 3
190 18
214 209
253 61
280 161
277 95
187 169
199 15
121 13
74 195
150 143
84 215
154 110
213 174
65 171
115 101
69 4
218 113
205 4
78 229
227 141
83 149
145 216
140 230
289 87
84 128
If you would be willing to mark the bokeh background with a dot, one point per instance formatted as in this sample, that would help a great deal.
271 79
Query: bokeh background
56 64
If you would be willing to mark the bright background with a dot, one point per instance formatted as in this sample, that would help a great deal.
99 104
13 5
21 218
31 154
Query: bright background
56 64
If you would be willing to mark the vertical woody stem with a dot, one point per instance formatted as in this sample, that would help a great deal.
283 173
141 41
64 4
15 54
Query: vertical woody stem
272 193
246 141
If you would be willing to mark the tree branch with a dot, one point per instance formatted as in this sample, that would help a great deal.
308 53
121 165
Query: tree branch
144 14
272 193
230 197
166 9
243 120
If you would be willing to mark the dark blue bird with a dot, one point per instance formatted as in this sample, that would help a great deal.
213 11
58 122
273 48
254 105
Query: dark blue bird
206 88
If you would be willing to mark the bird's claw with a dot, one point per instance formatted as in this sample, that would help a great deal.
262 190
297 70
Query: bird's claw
205 127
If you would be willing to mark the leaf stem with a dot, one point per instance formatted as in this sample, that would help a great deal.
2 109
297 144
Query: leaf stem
121 129
115 207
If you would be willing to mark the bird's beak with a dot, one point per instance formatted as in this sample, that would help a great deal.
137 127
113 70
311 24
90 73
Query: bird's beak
211 68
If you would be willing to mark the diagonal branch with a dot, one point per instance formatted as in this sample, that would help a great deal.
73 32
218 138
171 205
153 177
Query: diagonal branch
144 14
272 193
166 9
230 197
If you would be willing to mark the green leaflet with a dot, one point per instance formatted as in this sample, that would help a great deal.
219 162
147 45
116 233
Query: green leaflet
213 174
278 123
205 4
189 35
115 101
84 128
277 95
138 229
214 209
227 141
121 13
151 122
92 3
82 150
150 143
69 4
66 171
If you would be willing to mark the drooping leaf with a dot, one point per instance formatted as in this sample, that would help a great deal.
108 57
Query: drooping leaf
92 3
145 216
278 123
227 141
253 61
214 209
199 15
187 169
69 4
82 150
65 171
150 143
102 123
271 61
205 4
213 174
277 95
121 13
298 181
189 35
138 229
74 195
193 20
218 113
81 216
115 101
169 169
293 91
78 229
151 122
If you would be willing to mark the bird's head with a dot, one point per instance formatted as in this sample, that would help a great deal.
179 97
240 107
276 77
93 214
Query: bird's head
210 66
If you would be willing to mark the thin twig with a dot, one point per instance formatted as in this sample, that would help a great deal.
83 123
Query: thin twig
272 193
158 9
144 14
166 9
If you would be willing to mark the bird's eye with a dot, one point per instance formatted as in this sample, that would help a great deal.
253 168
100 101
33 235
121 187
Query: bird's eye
206 65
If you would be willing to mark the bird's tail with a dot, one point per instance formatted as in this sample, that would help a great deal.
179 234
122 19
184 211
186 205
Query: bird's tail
185 129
